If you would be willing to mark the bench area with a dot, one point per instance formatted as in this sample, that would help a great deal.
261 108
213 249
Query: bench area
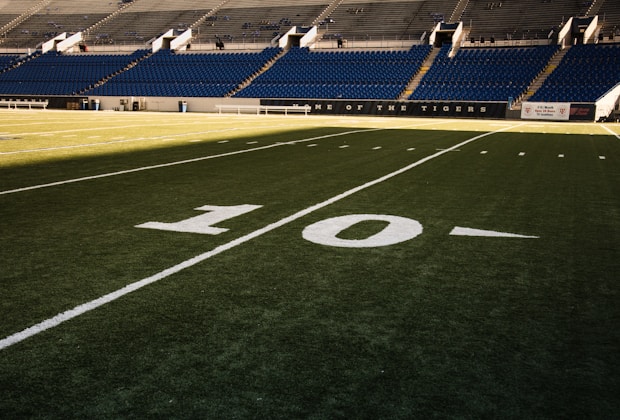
264 108
30 103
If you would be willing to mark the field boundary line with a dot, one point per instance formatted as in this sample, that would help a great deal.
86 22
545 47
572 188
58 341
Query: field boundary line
183 162
613 133
110 297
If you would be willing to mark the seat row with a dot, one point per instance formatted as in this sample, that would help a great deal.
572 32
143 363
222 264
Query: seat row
475 74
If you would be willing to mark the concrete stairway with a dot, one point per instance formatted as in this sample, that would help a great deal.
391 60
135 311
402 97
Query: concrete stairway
538 82
415 80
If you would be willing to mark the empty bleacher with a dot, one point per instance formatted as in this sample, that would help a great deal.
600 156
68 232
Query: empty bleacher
248 21
55 18
6 60
390 19
489 73
10 10
609 18
56 74
482 74
343 74
186 75
147 19
517 19
585 73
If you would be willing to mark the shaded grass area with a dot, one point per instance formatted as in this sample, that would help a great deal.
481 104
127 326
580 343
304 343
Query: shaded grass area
439 326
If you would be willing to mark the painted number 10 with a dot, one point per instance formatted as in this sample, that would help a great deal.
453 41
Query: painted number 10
325 232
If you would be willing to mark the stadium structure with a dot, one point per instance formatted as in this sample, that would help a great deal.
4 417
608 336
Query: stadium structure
529 59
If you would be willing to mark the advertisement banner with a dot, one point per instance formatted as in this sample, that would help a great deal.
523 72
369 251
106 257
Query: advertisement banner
554 111
397 108
582 112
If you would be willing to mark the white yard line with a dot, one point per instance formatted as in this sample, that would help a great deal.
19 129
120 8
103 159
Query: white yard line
613 133
180 162
137 139
110 297
183 162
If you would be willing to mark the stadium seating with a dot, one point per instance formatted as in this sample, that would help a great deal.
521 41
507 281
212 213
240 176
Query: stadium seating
186 75
489 73
57 74
366 20
343 74
482 74
522 19
55 18
248 21
6 60
585 73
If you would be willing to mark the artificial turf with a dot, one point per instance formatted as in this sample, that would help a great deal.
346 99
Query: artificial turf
277 326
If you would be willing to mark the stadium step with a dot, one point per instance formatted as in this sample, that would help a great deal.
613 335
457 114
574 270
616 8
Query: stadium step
415 81
538 82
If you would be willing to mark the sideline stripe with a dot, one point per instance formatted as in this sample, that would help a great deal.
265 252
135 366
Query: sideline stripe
613 133
89 306
182 162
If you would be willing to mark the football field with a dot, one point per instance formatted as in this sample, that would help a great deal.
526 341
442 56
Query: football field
164 265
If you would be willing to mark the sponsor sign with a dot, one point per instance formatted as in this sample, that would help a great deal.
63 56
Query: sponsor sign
555 111
582 112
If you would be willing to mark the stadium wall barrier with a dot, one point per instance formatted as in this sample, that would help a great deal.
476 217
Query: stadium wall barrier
169 104
493 110
53 102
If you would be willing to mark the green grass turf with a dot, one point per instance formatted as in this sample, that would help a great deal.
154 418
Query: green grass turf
280 327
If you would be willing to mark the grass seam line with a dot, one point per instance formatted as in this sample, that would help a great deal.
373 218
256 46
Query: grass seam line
89 306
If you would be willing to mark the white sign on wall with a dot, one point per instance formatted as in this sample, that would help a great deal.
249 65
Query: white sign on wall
556 111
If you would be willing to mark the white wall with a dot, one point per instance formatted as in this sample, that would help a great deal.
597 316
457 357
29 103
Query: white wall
605 105
166 104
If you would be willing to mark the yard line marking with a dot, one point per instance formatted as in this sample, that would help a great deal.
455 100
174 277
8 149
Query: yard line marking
376 148
411 149
463 231
125 140
561 155
521 153
344 146
313 145
182 162
613 133
484 152
602 157
110 297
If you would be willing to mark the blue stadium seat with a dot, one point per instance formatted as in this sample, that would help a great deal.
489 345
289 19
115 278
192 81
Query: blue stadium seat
302 73
482 74
166 73
585 74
